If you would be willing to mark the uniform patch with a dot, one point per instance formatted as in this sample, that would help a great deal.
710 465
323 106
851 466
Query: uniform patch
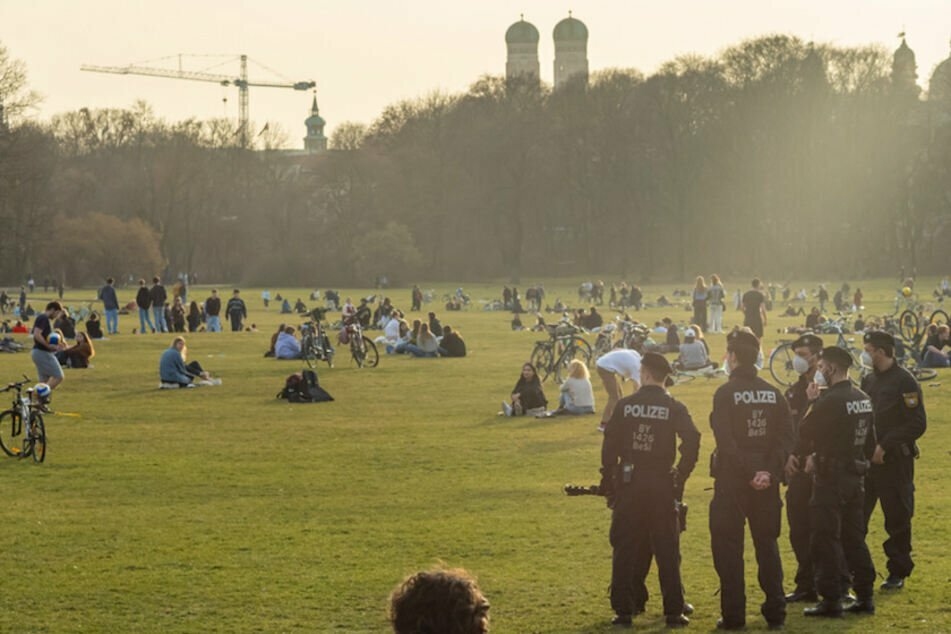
911 400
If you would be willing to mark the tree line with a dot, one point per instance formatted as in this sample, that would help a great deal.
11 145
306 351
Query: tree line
775 157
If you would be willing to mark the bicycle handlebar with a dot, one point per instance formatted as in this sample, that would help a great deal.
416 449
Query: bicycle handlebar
17 385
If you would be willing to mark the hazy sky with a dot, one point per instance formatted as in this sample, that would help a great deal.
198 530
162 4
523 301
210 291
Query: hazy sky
365 54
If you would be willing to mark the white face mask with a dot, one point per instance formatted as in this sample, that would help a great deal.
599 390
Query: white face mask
820 379
800 365
867 359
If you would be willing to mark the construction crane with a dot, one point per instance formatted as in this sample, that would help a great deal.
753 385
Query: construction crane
225 80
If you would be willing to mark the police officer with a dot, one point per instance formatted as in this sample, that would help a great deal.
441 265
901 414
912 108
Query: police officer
838 435
806 351
639 447
899 421
753 431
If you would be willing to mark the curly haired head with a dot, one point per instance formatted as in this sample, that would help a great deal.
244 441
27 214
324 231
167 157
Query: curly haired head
439 602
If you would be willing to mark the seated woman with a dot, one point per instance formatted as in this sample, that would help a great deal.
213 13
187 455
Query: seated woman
693 353
300 307
270 351
287 346
174 371
94 326
67 326
452 344
285 307
527 396
427 345
577 395
78 355
20 328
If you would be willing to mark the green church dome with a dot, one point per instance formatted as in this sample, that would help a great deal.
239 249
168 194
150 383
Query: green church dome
571 30
522 32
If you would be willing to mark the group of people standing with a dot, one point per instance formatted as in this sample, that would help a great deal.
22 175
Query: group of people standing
159 316
840 449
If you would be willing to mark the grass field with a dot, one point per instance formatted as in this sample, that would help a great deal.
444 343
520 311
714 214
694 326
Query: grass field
225 510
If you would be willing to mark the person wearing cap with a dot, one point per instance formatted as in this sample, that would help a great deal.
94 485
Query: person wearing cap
637 458
753 430
754 308
900 420
613 367
693 353
806 350
838 436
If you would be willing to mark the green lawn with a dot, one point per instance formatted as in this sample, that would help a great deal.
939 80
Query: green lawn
222 509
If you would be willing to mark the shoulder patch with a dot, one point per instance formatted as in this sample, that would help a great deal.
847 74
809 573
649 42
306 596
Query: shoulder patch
911 399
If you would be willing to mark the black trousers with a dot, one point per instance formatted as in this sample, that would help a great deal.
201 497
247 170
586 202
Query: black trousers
235 321
893 485
645 522
798 494
839 553
734 503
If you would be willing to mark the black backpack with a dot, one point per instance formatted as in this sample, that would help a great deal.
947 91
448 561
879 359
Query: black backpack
303 387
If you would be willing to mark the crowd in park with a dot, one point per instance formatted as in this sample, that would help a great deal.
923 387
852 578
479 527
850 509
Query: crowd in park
839 449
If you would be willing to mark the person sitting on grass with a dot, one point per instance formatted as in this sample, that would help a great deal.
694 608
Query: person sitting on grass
693 353
20 328
527 396
173 370
439 601
427 345
287 346
79 354
935 356
577 395
452 344
94 326
271 351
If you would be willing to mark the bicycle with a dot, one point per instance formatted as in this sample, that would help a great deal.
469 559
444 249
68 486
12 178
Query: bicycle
564 344
909 352
911 324
33 434
681 376
632 336
315 344
781 358
362 349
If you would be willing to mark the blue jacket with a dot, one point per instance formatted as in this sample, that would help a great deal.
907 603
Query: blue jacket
172 367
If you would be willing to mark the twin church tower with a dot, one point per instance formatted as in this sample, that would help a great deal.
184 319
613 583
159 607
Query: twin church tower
571 50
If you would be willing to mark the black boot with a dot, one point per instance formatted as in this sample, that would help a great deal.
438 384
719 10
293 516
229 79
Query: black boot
826 608
798 595
622 620
861 606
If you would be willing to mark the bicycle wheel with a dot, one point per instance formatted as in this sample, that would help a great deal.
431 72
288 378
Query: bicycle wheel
939 318
357 350
579 342
924 374
37 437
370 356
682 377
908 325
309 352
781 366
571 353
542 358
11 429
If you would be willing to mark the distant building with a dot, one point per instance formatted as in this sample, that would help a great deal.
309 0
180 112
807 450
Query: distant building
939 93
315 141
905 71
571 50
521 41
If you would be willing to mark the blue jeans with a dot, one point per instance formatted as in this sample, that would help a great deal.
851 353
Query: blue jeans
213 323
571 408
935 360
145 319
112 320
158 314
416 351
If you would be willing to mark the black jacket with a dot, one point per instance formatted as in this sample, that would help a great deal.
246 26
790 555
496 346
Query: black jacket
143 299
900 417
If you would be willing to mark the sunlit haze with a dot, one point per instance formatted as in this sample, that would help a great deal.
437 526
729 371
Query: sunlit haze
366 55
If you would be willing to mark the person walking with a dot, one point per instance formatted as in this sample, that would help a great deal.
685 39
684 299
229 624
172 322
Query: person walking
110 306
754 309
900 420
637 463
213 312
143 300
839 436
48 369
236 310
753 432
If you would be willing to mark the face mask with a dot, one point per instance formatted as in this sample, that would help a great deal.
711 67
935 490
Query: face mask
800 365
820 379
867 359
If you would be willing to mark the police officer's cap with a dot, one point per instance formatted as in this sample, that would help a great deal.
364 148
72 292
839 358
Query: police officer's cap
658 365
838 356
879 339
808 341
742 338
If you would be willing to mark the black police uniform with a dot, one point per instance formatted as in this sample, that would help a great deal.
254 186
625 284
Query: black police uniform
753 430
899 421
839 431
639 448
798 492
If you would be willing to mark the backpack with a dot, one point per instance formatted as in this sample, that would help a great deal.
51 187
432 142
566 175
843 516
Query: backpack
303 387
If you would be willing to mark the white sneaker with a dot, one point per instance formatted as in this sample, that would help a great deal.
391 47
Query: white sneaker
601 428
506 409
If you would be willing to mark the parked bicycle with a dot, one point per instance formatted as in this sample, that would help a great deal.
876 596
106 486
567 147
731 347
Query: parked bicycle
564 344
315 344
909 351
623 333
16 438
911 324
781 359
362 349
